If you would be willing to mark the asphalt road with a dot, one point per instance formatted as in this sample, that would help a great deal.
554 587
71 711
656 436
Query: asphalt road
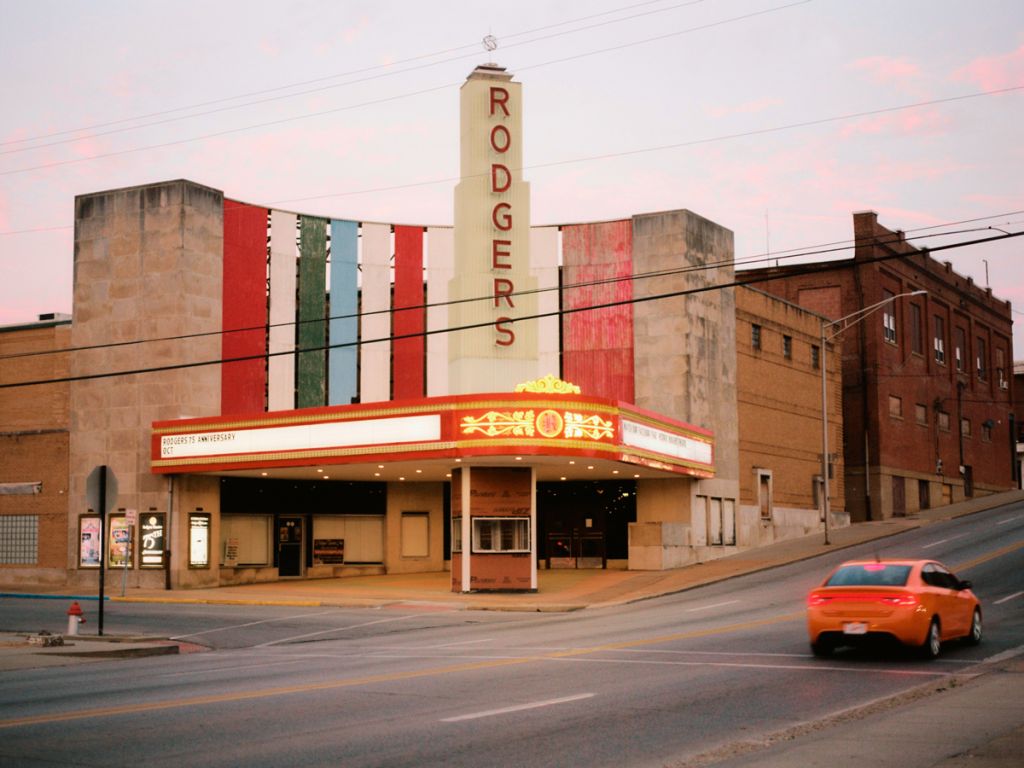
648 684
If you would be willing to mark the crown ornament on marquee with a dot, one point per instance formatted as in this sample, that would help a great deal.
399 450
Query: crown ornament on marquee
549 385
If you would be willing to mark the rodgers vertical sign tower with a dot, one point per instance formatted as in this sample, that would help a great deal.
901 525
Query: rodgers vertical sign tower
492 286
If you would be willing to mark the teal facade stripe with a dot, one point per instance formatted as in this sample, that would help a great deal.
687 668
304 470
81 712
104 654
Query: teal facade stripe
342 357
312 335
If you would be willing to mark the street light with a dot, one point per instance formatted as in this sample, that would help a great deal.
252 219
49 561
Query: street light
855 317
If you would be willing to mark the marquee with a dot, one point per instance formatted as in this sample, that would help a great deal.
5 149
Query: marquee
456 427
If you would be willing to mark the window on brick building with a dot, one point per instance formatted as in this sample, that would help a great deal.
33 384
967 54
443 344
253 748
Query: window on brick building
965 427
986 431
916 345
982 360
1001 369
889 317
815 357
961 348
19 539
896 407
787 347
940 340
755 336
921 414
942 419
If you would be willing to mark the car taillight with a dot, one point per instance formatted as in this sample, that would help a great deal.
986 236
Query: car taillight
900 600
815 599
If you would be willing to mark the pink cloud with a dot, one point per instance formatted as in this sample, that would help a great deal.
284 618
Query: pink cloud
994 72
352 33
885 69
918 122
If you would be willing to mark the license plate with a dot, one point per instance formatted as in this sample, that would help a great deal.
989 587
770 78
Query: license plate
855 628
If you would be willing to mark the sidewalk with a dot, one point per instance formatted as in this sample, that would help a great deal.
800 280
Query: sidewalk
560 590
17 650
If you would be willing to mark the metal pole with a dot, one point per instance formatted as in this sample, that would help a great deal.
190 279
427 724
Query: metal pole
824 432
103 539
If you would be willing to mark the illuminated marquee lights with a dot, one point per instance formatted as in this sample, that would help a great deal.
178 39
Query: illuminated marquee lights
547 423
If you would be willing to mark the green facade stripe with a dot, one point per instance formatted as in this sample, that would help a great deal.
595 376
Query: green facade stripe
312 331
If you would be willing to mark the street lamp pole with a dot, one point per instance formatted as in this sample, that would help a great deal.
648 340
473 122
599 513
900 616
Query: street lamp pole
855 317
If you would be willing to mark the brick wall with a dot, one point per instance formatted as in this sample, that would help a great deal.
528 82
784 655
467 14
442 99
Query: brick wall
34 449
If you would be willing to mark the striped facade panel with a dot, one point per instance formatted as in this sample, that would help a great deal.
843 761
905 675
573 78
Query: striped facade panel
544 266
244 318
440 269
409 318
597 348
283 266
312 331
375 314
342 356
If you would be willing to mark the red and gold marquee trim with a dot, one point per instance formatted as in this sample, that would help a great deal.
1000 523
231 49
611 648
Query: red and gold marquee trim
457 427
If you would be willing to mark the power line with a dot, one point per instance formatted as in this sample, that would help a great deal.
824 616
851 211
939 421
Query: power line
320 89
555 163
816 250
321 113
331 77
557 313
677 145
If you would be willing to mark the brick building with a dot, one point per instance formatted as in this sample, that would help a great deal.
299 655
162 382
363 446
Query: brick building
34 452
778 393
927 403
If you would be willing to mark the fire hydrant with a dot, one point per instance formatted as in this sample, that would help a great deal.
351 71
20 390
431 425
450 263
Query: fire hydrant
75 617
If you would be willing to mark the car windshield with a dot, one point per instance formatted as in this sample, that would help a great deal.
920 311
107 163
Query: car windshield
870 575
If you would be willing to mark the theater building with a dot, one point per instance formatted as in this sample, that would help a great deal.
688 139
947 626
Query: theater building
279 395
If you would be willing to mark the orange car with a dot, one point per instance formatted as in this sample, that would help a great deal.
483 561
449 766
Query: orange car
917 602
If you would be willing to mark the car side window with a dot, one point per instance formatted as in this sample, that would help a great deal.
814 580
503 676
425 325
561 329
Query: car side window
944 578
929 576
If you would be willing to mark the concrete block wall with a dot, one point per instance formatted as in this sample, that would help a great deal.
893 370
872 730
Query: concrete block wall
685 359
148 265
685 346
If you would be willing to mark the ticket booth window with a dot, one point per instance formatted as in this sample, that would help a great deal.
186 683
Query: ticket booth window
501 534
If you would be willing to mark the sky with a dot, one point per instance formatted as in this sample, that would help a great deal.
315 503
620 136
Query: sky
774 118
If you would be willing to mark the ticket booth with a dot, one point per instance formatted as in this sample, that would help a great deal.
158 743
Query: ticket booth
494 523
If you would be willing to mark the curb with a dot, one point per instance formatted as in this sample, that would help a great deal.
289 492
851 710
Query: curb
123 653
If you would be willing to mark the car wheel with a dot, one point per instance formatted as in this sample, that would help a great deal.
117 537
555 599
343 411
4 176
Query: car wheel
975 634
932 641
822 649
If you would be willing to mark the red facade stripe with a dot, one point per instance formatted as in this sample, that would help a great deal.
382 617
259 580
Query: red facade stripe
409 354
597 349
243 384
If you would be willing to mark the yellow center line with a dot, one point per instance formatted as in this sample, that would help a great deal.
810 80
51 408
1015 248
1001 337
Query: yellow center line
194 701
991 556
